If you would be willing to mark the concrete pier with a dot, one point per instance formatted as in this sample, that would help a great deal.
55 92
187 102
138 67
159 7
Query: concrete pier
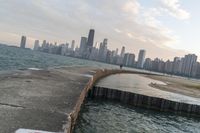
92 90
40 99
51 100
145 101
48 100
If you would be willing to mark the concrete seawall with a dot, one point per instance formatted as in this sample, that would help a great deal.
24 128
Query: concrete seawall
156 103
143 101
97 76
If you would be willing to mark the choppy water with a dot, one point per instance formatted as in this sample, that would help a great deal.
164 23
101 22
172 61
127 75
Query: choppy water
12 58
108 117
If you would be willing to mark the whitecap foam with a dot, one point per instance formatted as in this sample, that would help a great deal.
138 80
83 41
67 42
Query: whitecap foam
36 69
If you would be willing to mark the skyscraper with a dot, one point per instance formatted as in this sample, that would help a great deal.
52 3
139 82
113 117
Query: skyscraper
90 38
36 45
121 57
103 50
83 45
122 52
188 63
141 58
73 45
90 42
129 59
23 42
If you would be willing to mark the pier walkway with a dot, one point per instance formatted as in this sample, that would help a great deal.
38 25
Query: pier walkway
40 99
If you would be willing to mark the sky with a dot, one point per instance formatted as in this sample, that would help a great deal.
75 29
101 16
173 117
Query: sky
164 28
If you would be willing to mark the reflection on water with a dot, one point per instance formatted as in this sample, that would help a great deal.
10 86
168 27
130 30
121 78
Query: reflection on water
108 117
140 85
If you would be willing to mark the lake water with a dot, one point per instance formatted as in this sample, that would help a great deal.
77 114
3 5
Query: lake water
99 116
109 117
12 58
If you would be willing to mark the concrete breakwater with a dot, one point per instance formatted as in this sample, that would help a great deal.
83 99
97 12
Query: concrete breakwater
92 90
145 101
99 74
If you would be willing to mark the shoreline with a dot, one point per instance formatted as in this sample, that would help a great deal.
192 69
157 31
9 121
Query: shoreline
177 85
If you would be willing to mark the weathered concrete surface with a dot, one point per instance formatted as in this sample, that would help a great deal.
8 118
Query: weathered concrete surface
40 99
141 84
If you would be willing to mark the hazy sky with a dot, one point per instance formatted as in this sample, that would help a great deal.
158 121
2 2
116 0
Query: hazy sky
165 28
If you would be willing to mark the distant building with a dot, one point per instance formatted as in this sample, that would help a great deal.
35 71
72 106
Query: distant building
94 54
168 67
73 45
36 45
23 42
129 60
148 64
141 58
188 63
108 56
64 49
90 42
121 57
176 65
103 50
83 44
122 52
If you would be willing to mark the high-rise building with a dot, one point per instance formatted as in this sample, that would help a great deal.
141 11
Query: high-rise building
129 59
36 45
148 64
83 45
121 57
23 42
91 38
188 63
161 66
176 65
103 50
108 56
168 66
90 42
122 52
141 58
73 45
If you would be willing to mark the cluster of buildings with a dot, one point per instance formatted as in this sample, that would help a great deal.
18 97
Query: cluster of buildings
185 66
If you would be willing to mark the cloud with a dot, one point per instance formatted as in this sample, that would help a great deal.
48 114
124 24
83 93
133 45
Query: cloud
64 20
132 7
173 7
117 30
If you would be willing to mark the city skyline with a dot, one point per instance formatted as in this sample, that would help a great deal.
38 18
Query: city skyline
182 66
159 26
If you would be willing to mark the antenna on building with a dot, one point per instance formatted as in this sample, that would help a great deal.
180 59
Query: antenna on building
92 25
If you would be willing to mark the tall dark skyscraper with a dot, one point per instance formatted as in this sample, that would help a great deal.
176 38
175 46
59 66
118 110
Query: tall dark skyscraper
91 38
90 42
23 42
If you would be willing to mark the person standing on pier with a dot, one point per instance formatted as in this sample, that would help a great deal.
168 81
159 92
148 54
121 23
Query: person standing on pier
121 66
